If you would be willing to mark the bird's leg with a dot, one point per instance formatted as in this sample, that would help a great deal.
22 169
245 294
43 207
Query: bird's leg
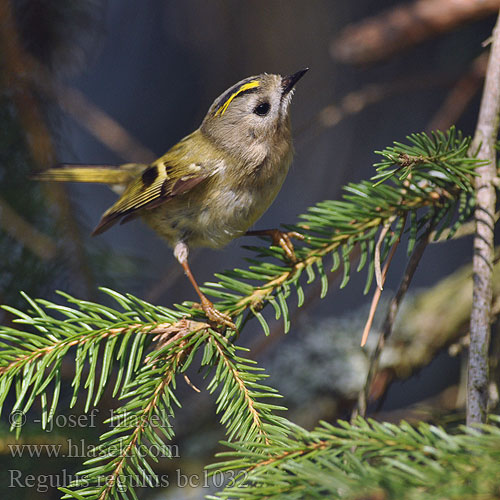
181 252
280 239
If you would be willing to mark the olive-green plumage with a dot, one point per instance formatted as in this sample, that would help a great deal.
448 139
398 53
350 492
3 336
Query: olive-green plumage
215 183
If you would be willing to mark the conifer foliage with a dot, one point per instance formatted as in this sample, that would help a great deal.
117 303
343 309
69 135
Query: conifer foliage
370 460
140 349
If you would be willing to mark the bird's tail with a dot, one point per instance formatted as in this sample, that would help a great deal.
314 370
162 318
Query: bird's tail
103 174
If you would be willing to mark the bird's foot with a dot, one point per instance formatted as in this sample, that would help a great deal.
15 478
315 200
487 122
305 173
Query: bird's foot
216 316
281 239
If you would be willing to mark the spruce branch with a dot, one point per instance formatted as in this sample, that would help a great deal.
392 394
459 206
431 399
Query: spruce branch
432 173
367 459
34 360
427 182
245 416
148 345
119 466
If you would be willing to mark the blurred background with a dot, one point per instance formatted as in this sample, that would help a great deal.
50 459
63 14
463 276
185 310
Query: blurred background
118 81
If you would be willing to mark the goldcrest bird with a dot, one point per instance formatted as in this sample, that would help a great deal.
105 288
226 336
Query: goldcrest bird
215 183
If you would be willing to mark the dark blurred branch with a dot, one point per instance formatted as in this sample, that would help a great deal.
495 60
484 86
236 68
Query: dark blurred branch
358 100
480 327
26 78
16 66
22 231
389 320
101 125
21 73
439 317
460 96
403 26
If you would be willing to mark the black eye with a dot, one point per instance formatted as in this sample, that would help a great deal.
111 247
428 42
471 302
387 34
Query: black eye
262 109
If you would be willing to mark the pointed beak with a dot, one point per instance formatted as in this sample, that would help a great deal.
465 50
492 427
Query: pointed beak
288 82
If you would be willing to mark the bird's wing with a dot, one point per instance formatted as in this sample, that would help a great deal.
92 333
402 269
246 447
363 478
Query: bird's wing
157 184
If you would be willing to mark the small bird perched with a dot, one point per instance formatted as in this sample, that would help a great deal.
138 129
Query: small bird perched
215 183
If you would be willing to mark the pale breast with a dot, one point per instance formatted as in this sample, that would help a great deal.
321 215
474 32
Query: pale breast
217 211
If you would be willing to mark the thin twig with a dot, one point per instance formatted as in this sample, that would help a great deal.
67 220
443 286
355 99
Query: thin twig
376 257
378 293
188 382
389 320
482 263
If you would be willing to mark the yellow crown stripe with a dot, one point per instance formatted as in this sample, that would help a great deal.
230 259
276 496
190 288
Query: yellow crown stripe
243 88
